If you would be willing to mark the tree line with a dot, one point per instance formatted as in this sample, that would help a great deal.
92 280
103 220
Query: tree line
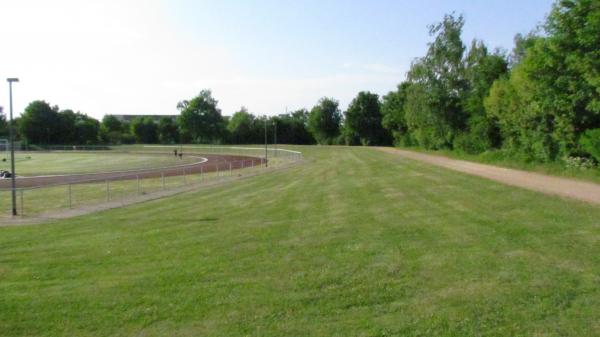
539 102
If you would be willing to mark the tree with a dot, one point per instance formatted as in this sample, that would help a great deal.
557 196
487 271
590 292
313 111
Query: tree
112 124
168 132
201 119
324 121
553 94
39 123
3 123
86 129
433 109
145 130
292 128
481 69
243 128
112 130
392 111
363 121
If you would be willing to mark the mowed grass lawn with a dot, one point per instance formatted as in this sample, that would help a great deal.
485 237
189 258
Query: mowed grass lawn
42 163
354 242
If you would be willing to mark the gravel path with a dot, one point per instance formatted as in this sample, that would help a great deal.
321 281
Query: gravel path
580 190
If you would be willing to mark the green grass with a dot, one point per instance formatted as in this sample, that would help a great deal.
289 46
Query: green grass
499 158
355 242
43 163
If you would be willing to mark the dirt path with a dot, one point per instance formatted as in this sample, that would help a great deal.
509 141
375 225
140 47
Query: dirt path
585 191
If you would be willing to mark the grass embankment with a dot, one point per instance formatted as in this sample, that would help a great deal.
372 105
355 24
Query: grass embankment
499 158
353 243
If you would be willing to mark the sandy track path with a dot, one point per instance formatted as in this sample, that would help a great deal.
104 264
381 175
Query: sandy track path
569 188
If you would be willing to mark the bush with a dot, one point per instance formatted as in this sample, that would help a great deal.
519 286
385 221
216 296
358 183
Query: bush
579 163
590 142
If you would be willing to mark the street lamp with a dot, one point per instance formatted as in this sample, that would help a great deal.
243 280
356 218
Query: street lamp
275 135
12 147
266 152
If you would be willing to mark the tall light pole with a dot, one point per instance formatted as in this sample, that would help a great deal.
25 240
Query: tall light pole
266 152
12 147
275 135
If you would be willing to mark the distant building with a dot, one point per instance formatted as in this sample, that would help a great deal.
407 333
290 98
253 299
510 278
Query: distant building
156 118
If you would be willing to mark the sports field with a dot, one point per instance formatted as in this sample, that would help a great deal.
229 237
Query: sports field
354 242
45 163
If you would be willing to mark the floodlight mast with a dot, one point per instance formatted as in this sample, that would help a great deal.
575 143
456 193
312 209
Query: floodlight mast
266 152
12 147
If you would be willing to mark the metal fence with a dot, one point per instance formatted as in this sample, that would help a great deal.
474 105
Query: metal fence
56 194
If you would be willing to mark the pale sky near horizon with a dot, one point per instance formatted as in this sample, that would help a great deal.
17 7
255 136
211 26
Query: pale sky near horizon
142 57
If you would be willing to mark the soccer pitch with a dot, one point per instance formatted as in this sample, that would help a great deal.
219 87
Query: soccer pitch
354 242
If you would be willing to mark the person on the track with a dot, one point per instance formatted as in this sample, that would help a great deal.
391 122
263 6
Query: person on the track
175 152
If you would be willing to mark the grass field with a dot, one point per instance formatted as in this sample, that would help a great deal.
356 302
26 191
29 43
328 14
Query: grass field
43 163
355 242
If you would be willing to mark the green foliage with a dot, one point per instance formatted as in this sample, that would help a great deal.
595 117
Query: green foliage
534 104
553 93
201 119
292 128
86 129
393 118
40 123
144 130
244 128
324 121
433 105
590 143
168 132
363 122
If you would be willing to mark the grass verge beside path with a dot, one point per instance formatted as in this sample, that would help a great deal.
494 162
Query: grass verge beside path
355 242
499 159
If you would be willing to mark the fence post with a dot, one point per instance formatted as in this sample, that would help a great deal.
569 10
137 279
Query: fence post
230 172
162 178
201 169
70 203
107 190
137 179
22 203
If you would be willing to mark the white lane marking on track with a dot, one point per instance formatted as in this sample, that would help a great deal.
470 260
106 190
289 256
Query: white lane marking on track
225 147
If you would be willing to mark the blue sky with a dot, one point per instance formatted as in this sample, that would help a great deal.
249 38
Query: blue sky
141 57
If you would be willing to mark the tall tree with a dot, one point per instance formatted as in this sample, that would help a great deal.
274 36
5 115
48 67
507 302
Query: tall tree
145 130
243 128
292 128
481 69
433 110
553 93
363 121
39 123
86 129
393 119
201 119
324 121
168 132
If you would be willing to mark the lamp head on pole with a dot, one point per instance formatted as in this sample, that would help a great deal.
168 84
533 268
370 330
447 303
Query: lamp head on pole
12 79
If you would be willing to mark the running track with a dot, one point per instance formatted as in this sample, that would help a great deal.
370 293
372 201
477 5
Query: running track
212 164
